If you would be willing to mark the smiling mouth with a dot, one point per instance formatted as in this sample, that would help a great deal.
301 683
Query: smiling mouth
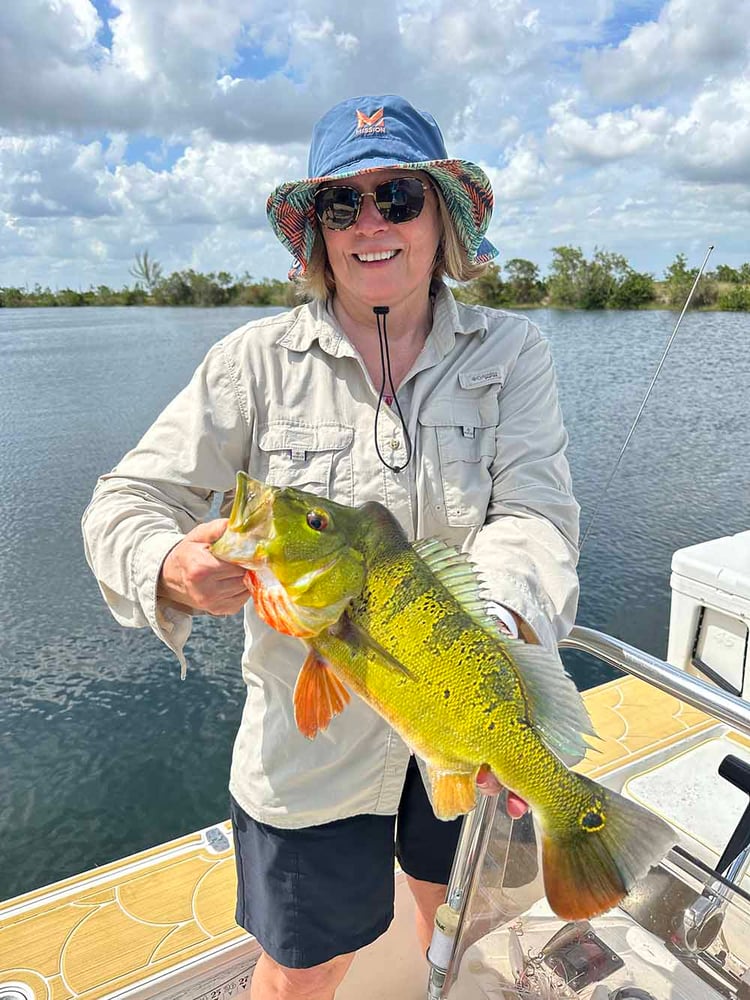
366 258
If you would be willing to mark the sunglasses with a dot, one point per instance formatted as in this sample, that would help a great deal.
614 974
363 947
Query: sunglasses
397 200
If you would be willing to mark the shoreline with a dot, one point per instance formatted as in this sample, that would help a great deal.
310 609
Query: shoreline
523 307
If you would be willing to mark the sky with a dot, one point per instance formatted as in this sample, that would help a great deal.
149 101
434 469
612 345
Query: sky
128 125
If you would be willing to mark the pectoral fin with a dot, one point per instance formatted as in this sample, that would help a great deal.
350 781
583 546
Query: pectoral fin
355 637
318 696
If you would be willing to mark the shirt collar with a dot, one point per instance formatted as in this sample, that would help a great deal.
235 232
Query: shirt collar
448 321
314 321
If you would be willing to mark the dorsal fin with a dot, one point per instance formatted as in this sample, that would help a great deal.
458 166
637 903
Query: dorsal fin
554 704
458 575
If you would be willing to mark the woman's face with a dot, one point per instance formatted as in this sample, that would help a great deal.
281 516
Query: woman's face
404 276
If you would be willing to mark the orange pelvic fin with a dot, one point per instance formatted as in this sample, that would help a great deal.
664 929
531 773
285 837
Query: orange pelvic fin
318 696
453 793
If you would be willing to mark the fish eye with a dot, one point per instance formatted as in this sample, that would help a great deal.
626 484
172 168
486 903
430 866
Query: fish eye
317 520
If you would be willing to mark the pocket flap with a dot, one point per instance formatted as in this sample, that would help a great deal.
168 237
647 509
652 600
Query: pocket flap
460 413
304 437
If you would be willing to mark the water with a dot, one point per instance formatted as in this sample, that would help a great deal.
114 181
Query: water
103 751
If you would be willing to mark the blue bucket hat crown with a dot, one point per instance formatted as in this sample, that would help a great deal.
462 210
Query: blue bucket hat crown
369 133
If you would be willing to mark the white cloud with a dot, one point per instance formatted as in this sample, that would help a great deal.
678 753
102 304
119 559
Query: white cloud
175 68
172 136
711 142
613 135
64 198
525 174
689 40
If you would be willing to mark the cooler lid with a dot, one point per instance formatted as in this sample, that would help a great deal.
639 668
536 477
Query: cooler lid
723 563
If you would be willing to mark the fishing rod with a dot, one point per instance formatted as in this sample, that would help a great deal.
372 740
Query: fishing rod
642 407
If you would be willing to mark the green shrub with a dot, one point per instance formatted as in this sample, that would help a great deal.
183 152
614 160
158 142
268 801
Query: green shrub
737 299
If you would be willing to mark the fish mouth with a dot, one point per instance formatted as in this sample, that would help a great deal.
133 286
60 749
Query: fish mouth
253 500
250 522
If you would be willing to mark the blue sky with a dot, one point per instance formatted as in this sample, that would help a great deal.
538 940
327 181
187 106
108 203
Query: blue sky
131 124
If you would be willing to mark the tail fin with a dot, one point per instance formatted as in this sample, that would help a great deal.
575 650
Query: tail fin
590 869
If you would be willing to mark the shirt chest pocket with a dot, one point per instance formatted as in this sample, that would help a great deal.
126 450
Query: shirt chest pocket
316 459
462 434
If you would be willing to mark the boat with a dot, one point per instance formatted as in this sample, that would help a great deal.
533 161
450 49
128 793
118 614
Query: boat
675 736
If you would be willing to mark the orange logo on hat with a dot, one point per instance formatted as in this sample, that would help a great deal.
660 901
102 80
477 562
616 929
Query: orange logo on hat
368 124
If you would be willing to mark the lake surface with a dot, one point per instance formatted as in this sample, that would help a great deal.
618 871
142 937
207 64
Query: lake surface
103 751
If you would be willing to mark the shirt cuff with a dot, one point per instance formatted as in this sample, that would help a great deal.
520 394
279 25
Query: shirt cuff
495 610
173 627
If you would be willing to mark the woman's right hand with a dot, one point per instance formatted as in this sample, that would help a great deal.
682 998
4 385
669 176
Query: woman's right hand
194 578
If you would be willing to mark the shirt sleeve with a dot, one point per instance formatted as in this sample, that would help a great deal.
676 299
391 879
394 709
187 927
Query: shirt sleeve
527 550
160 491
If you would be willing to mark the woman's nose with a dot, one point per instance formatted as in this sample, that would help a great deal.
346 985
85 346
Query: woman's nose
370 220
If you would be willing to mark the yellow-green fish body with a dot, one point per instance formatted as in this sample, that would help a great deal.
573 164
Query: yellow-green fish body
403 626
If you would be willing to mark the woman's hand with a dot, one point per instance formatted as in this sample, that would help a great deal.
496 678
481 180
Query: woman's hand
191 576
488 784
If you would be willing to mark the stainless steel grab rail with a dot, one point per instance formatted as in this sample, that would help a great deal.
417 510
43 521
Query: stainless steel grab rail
720 704
705 697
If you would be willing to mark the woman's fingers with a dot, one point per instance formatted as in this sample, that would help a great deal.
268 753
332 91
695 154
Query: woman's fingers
191 575
489 785
516 806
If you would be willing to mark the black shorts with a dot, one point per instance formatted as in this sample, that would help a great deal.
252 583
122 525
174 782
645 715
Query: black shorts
309 895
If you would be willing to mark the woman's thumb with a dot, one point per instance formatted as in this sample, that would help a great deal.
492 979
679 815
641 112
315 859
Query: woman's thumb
208 531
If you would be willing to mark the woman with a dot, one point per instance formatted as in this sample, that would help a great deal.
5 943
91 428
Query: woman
381 388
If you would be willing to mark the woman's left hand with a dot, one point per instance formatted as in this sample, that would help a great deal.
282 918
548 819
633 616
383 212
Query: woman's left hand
488 784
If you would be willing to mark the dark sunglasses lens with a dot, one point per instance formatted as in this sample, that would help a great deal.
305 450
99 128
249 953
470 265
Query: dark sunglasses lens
336 207
400 200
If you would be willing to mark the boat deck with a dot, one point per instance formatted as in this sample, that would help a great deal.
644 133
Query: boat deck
125 927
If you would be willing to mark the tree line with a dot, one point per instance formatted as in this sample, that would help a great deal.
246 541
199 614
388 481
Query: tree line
605 281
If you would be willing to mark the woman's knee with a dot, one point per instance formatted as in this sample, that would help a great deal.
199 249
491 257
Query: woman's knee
313 982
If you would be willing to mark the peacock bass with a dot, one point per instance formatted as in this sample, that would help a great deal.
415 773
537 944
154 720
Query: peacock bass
403 625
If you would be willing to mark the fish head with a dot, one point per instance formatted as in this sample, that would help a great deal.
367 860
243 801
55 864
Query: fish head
250 524
297 541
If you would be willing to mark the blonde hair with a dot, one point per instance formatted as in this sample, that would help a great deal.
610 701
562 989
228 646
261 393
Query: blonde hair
451 259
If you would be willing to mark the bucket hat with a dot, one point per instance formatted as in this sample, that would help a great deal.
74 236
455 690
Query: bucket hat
368 133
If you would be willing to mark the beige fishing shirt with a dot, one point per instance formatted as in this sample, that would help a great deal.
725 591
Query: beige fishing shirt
288 399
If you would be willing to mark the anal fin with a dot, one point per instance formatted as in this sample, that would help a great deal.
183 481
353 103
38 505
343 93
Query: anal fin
452 793
318 696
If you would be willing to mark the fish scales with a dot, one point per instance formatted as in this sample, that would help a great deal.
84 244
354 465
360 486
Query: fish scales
470 692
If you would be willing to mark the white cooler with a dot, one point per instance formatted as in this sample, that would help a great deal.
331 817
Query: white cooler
709 621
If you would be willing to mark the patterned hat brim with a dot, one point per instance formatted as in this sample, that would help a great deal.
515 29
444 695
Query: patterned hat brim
465 187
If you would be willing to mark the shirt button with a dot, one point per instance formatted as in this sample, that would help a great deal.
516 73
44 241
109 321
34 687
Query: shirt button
394 444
